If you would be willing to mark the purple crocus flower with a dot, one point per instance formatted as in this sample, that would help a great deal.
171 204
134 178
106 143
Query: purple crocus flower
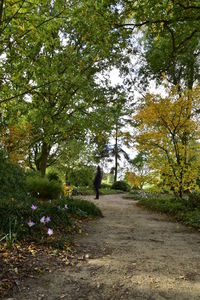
43 220
50 231
33 207
48 219
30 223
66 206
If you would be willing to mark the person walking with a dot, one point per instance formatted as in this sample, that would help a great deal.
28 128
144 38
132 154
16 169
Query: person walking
97 182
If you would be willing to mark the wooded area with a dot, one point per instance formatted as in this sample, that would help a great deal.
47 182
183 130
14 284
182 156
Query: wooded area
61 115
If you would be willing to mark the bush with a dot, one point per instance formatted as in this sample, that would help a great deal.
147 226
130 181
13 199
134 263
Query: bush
76 191
53 176
83 207
32 219
81 176
105 186
174 207
121 185
109 191
194 200
20 213
43 188
12 181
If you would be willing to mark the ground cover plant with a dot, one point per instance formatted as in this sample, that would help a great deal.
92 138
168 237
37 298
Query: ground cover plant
84 191
12 179
36 220
121 185
32 232
186 211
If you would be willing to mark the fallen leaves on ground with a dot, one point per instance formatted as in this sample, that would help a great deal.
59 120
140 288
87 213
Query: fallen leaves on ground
28 260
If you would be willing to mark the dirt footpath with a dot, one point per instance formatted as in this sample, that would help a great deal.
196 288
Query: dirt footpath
131 253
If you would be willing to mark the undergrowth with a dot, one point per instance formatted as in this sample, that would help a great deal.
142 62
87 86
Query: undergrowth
181 209
42 221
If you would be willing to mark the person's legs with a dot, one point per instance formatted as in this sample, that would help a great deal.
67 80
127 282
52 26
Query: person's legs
97 193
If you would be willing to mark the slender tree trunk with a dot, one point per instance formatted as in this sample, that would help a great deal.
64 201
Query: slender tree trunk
1 14
116 154
43 159
191 75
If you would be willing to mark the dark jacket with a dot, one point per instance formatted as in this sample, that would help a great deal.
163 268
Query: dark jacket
97 179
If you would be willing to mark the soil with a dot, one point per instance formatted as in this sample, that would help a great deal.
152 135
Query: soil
130 253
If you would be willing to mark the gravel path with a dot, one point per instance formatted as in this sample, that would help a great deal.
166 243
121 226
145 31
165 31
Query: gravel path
131 253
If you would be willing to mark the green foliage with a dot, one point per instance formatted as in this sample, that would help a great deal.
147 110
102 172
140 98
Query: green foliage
81 176
84 191
121 185
105 186
14 218
170 39
181 210
109 191
53 176
11 236
194 200
44 188
83 208
19 213
133 194
12 180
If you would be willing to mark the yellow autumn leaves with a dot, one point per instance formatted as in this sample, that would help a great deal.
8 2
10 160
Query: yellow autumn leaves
168 128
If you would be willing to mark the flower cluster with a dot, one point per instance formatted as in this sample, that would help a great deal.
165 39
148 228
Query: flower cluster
67 190
44 220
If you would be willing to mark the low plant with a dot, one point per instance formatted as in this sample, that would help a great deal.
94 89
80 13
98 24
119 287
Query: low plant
11 236
103 191
53 176
84 191
105 186
175 207
194 200
41 221
12 180
44 188
67 190
121 185
83 207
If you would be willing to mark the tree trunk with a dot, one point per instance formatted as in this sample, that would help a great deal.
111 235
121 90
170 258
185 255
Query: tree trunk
43 159
116 154
191 75
1 14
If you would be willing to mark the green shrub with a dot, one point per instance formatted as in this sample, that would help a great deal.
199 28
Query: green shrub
194 200
105 186
53 176
109 191
28 220
121 185
83 207
178 208
84 191
81 176
12 181
42 187
20 213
